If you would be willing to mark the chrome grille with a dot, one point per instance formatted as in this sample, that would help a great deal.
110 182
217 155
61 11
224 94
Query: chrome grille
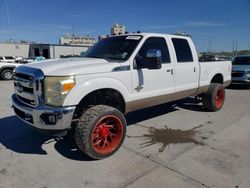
24 85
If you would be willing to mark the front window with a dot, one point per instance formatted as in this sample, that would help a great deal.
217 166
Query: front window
114 48
158 43
241 61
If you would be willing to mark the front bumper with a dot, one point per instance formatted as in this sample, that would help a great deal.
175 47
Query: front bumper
46 119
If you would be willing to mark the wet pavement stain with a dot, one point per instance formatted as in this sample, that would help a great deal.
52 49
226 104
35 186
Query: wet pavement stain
166 136
3 171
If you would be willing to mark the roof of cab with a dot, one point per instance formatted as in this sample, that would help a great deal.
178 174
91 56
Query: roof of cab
154 34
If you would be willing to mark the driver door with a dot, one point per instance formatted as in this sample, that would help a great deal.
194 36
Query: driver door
152 86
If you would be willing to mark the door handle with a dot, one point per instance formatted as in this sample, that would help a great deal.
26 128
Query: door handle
170 70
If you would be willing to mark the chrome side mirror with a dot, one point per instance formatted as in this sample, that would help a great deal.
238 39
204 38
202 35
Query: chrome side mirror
154 59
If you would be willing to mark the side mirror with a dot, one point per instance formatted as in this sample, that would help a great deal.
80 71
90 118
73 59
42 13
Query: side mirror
154 59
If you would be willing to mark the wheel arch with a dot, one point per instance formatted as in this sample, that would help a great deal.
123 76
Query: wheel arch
6 67
95 87
217 78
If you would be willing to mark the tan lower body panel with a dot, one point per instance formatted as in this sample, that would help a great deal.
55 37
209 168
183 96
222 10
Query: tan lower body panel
156 100
152 101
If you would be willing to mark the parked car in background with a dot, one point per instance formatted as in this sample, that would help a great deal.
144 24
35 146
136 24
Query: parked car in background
32 59
207 57
241 70
7 59
69 56
6 70
18 59
9 63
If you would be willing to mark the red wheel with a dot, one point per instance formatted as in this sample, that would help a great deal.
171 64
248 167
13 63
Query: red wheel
213 99
219 98
107 134
100 131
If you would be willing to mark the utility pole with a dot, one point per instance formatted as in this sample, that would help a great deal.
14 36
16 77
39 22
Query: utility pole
236 47
8 20
209 44
233 49
73 35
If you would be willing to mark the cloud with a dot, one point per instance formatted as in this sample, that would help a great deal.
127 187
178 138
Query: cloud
43 26
204 24
159 27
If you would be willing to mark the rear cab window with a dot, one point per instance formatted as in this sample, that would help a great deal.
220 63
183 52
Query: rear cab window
182 50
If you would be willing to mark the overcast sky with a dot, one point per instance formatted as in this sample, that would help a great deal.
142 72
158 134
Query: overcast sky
213 24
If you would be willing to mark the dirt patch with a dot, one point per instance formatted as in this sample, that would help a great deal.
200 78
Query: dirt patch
167 136
3 171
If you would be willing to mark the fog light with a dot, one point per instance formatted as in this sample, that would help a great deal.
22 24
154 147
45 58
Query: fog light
49 118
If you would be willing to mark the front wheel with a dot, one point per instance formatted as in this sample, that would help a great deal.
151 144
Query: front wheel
214 98
7 74
100 131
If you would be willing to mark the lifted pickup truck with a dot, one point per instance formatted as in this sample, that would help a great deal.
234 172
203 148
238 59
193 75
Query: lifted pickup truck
117 75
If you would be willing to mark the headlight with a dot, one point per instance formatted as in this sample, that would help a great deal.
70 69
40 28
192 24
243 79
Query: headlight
57 88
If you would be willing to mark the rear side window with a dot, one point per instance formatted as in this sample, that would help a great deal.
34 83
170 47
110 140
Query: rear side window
1 58
182 50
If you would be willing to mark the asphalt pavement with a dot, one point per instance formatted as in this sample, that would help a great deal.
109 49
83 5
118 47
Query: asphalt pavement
171 145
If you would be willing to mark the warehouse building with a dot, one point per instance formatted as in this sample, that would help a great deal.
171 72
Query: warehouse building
49 51
77 40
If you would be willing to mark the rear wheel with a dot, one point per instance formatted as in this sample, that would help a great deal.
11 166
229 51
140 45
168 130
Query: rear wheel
100 131
214 98
7 74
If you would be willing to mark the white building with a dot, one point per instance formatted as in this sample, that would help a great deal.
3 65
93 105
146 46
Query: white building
77 40
49 51
118 30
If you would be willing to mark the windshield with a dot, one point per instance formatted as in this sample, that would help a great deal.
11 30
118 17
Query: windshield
241 60
114 48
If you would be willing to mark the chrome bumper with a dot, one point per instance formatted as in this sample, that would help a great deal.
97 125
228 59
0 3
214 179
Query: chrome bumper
44 118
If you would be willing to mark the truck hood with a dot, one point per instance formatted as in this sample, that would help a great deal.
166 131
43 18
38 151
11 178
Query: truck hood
74 66
240 67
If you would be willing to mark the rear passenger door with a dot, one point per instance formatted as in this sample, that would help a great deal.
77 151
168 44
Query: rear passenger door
186 69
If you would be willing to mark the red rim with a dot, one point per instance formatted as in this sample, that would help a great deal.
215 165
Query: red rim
107 134
219 98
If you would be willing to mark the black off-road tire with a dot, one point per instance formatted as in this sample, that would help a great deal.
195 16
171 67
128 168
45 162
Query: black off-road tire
210 99
87 126
7 74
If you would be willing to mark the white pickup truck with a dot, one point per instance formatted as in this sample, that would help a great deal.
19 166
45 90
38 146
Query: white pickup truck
118 75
